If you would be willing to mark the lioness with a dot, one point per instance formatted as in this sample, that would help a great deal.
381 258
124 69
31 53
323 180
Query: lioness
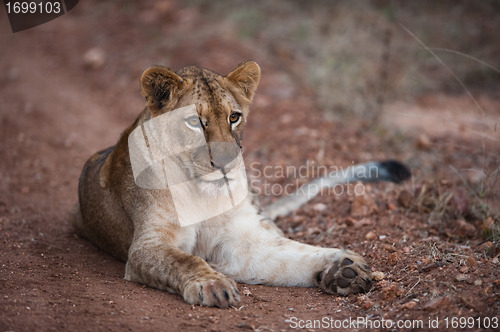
202 261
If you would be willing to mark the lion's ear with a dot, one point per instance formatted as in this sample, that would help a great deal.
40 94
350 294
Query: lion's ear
160 87
246 77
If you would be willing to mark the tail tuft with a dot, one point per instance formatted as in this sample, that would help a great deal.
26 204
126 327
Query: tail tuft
394 171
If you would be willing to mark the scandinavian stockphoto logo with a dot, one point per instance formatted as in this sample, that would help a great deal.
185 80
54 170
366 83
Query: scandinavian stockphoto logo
30 13
204 179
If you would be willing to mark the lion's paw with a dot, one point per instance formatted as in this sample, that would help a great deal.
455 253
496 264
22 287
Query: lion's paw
213 291
348 274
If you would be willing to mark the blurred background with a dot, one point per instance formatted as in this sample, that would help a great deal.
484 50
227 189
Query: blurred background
356 56
342 82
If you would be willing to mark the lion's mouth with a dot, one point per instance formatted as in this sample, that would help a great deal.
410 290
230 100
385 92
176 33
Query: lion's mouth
213 176
218 176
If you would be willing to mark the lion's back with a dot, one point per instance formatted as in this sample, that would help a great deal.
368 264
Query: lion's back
96 216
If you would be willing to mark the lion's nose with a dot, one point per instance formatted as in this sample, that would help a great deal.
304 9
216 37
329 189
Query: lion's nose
224 155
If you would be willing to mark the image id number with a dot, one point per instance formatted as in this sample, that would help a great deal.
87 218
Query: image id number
33 7
471 322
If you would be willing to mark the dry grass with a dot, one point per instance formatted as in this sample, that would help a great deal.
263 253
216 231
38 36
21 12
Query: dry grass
357 56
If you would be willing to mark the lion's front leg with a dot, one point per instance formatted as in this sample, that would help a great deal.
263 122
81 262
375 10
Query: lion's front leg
252 253
154 260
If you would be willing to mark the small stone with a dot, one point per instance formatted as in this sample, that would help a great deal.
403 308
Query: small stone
436 303
362 222
313 231
349 221
423 142
365 302
247 326
495 260
383 283
393 259
471 261
389 247
406 250
390 292
367 305
286 118
378 275
319 207
464 269
371 236
461 277
94 58
362 299
409 305
426 260
478 282
405 198
362 206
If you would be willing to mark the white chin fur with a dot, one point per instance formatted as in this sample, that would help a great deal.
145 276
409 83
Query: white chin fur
213 176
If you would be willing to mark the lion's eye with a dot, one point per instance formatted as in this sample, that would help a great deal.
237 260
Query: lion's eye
234 117
193 122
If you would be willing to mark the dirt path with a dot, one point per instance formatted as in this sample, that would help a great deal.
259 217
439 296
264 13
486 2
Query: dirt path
55 112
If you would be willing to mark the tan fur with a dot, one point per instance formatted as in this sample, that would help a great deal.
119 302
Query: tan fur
199 261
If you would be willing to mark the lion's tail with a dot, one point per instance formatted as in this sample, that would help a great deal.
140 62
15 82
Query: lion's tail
390 170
